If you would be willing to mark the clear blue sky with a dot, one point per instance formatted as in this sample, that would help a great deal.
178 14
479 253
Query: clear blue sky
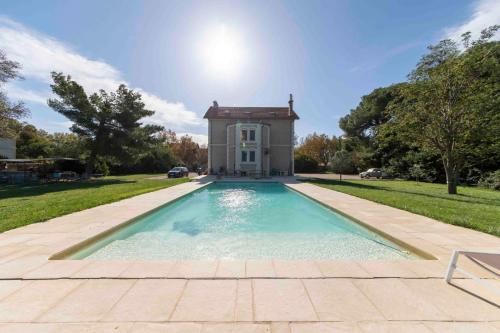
327 53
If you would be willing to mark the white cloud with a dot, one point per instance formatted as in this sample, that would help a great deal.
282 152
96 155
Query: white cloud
171 113
485 13
64 125
200 139
385 57
40 54
17 93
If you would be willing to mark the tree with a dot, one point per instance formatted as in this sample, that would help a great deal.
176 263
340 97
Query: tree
318 147
482 150
67 145
202 156
159 158
383 130
9 112
444 92
305 163
169 137
373 144
33 143
363 121
186 151
342 162
417 172
109 122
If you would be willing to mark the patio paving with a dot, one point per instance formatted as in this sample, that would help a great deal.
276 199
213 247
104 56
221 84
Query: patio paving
42 295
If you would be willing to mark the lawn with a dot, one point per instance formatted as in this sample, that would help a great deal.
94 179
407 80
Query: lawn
475 208
25 204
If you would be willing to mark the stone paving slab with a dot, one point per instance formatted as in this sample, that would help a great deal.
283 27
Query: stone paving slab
282 300
396 301
34 299
147 269
56 269
147 300
330 298
89 302
38 267
292 327
231 269
207 300
452 301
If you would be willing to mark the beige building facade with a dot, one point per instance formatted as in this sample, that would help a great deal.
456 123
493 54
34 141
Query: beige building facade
7 148
251 140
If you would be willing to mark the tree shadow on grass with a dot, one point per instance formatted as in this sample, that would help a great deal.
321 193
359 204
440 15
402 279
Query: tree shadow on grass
27 190
492 201
463 198
345 183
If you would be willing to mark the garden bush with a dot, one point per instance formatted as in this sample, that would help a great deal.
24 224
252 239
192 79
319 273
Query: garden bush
491 180
305 163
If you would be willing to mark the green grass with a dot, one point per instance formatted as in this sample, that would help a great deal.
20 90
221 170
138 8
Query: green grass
25 204
475 208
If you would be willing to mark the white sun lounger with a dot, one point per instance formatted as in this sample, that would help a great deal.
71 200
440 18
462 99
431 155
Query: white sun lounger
480 258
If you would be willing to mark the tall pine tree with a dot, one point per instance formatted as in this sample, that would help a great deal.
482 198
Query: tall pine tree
109 122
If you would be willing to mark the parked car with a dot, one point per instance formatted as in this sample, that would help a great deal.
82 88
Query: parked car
178 172
374 172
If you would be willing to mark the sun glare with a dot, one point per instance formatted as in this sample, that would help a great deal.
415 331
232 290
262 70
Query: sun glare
223 52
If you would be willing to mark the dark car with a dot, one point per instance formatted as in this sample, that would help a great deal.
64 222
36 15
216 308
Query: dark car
178 172
373 172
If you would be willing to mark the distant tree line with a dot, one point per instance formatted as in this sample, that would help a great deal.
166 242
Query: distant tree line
107 133
314 152
159 157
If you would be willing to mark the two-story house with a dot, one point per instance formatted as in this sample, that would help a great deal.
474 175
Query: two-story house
251 140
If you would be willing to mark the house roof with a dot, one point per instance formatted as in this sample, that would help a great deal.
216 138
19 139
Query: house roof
231 112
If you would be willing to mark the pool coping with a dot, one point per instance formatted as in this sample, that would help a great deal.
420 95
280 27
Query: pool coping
27 252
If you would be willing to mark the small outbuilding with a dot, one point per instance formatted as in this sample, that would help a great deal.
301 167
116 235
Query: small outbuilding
7 148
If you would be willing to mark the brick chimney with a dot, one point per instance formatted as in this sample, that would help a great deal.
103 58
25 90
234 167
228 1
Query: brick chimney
290 105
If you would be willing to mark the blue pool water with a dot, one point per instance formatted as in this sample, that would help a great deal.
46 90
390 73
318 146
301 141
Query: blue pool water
244 221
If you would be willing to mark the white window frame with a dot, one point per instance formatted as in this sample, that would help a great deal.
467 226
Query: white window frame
250 135
244 138
248 153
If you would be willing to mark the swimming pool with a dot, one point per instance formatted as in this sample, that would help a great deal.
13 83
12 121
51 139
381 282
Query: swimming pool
236 221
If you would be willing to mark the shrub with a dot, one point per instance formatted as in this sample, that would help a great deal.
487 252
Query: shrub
305 163
158 159
342 163
417 172
472 176
491 180
101 167
70 165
